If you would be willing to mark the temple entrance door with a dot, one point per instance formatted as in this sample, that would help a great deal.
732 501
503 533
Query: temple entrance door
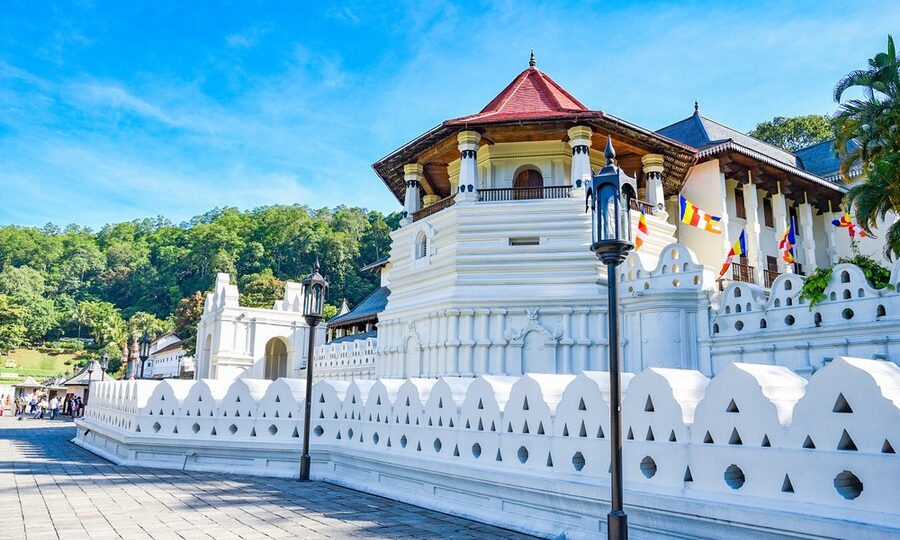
276 359
528 184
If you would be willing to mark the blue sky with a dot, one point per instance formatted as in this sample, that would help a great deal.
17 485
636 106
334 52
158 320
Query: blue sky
112 111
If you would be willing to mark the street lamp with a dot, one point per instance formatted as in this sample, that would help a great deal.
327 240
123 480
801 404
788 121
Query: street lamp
144 350
91 367
314 289
104 365
611 226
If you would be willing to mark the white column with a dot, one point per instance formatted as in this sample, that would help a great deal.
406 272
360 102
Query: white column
413 173
467 343
453 342
498 347
831 234
806 233
653 168
580 141
482 337
780 214
751 209
468 165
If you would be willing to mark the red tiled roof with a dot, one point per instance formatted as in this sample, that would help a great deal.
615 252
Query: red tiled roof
533 94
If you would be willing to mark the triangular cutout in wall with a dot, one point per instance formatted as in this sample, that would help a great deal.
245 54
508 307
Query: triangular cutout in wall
688 477
846 443
735 437
808 442
648 405
732 407
787 486
841 405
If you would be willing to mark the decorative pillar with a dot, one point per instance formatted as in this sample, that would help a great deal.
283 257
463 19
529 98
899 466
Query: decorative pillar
751 210
830 234
653 168
468 165
805 215
453 342
780 213
497 352
413 173
580 141
466 342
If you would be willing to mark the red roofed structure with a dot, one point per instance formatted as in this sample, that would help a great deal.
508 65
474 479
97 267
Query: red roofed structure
531 95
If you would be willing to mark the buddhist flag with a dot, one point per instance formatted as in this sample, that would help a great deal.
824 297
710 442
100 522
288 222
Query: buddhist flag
642 232
739 248
787 243
695 217
852 228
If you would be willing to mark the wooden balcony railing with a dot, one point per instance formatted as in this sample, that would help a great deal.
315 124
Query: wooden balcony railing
523 194
638 205
742 272
434 208
770 276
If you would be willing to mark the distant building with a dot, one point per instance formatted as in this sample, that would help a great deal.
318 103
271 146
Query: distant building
169 360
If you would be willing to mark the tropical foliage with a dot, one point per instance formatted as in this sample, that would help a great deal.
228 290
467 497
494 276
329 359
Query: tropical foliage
868 138
794 133
149 275
814 286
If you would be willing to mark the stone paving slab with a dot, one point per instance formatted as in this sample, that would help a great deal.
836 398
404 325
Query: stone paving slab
50 488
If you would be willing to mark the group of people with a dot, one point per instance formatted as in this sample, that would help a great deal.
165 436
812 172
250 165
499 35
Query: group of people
41 407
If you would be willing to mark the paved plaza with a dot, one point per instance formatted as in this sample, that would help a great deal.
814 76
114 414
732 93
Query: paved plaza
50 488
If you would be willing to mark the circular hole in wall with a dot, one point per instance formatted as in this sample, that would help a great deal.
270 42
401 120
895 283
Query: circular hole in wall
318 431
848 485
156 426
676 283
350 433
375 439
403 441
476 450
734 477
273 429
789 320
578 461
232 428
195 428
739 326
648 467
437 445
847 313
522 454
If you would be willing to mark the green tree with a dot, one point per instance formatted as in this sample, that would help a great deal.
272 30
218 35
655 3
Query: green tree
12 331
25 288
873 124
260 289
794 133
187 316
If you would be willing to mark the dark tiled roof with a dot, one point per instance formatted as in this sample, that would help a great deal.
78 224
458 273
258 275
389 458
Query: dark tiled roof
701 132
821 159
171 346
354 337
370 307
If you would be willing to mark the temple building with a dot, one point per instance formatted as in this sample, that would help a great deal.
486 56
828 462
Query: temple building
490 271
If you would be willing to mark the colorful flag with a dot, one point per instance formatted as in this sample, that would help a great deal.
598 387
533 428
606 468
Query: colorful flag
695 217
787 243
739 248
642 232
852 228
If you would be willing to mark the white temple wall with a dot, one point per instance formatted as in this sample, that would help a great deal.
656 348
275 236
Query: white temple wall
478 304
756 452
232 339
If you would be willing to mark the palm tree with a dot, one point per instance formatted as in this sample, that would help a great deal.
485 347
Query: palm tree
868 136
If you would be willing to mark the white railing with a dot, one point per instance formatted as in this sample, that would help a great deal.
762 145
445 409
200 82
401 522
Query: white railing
754 437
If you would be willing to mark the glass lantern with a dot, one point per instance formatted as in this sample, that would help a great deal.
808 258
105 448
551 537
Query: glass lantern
611 211
315 287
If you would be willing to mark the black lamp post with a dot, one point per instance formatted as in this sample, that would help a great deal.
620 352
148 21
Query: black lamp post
104 365
144 351
314 289
90 370
611 242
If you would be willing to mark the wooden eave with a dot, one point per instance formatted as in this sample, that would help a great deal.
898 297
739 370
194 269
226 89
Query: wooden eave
437 148
743 164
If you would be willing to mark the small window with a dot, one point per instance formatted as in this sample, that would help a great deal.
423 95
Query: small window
421 245
739 209
768 216
525 241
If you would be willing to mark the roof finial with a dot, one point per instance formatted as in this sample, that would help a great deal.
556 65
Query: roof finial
610 152
696 107
532 63
316 266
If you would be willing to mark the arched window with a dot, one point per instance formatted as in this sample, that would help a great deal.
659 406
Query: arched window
276 359
421 245
528 183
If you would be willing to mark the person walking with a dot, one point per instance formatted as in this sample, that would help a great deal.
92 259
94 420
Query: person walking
54 407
